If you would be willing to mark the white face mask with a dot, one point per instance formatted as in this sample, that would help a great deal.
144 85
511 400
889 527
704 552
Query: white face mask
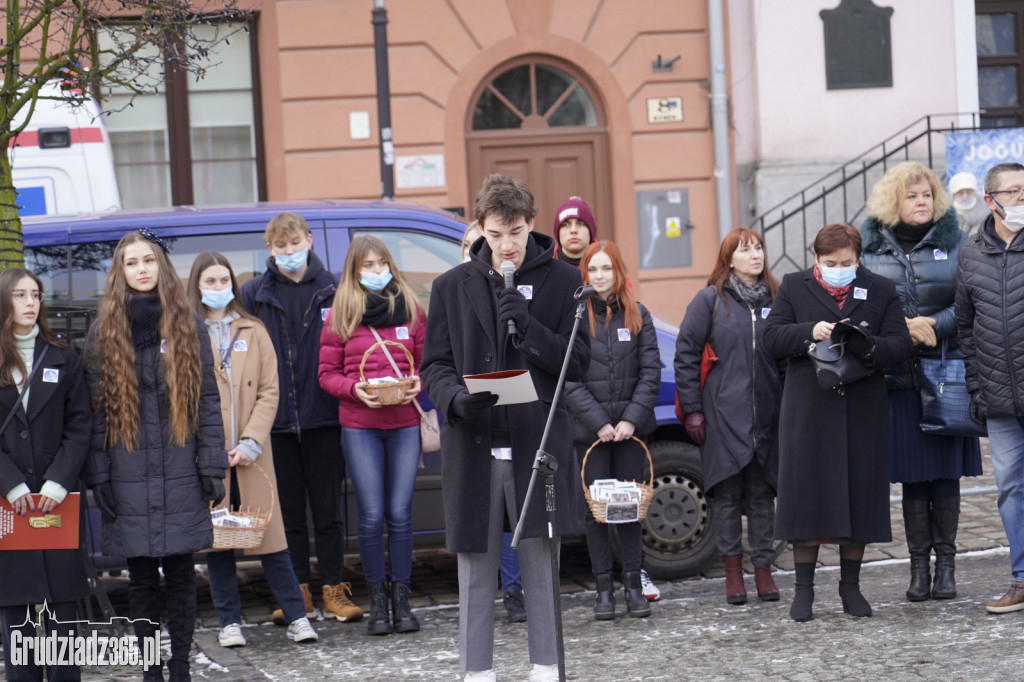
1013 217
965 204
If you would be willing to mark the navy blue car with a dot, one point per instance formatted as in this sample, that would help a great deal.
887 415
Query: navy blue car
72 254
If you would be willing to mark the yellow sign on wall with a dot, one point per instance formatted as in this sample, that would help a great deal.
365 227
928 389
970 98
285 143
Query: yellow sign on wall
672 226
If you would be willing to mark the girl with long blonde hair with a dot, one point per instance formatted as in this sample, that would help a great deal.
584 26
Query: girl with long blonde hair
381 442
157 455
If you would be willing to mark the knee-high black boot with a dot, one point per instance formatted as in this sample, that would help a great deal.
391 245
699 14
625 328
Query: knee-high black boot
945 519
180 581
800 610
854 602
144 607
917 522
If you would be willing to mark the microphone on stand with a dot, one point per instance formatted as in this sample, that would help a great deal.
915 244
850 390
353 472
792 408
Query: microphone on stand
584 293
508 269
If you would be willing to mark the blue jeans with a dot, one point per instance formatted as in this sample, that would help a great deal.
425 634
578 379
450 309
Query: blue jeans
382 464
1006 448
511 574
280 576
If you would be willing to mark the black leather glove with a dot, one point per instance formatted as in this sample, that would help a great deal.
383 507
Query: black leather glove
977 409
861 343
512 306
694 423
103 495
213 489
466 404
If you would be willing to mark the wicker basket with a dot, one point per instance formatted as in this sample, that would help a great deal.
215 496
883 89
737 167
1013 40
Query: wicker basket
226 537
598 507
388 394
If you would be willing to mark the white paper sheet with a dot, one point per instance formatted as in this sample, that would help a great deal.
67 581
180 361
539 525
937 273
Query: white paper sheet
511 386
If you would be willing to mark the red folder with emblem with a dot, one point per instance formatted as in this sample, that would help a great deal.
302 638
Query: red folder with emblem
56 530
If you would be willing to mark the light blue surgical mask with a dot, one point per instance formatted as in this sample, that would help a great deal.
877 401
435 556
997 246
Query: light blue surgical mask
838 277
376 281
215 299
291 262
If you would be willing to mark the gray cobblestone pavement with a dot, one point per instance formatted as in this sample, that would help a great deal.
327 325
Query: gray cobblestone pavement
692 635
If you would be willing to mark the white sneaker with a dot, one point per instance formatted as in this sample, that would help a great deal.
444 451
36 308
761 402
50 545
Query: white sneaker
480 676
301 631
231 635
543 673
651 591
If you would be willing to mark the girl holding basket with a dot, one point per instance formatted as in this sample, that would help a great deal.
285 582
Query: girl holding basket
613 406
375 330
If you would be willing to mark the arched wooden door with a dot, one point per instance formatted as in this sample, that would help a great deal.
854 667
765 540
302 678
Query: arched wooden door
536 119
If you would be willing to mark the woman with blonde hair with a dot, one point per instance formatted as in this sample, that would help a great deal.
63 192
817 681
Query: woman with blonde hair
912 236
157 455
247 381
381 442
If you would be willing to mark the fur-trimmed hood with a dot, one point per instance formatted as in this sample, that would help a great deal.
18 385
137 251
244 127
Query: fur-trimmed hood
945 234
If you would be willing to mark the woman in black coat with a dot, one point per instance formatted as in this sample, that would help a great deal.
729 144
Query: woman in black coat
157 458
833 444
42 451
613 403
734 416
912 237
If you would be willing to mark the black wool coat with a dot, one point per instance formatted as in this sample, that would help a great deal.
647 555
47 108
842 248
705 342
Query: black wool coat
48 443
925 280
462 337
989 314
834 449
157 490
624 378
741 395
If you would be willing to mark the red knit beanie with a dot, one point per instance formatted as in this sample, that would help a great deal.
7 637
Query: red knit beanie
574 207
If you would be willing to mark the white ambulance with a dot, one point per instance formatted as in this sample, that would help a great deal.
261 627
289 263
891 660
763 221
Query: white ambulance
62 162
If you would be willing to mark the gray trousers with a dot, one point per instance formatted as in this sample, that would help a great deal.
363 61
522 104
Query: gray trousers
745 493
478 583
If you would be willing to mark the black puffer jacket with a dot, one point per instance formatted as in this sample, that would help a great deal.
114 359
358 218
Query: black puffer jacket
157 490
623 380
925 282
989 311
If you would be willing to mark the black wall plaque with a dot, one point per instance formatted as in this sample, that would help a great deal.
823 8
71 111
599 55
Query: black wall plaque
858 45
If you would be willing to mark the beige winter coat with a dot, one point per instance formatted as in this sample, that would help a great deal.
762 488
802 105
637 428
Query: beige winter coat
254 395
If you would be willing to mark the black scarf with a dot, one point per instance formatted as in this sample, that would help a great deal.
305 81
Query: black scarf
751 294
377 312
145 319
910 235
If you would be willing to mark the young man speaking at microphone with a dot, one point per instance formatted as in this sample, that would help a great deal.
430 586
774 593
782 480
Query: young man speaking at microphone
476 325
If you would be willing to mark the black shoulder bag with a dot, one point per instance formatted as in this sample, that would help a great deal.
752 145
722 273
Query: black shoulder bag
35 368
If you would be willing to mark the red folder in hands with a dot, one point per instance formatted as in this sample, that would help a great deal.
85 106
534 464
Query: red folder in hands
55 530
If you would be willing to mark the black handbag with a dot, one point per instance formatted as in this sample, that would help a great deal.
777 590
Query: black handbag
945 402
834 365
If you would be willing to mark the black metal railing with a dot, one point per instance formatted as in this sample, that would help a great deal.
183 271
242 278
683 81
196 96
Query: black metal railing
839 197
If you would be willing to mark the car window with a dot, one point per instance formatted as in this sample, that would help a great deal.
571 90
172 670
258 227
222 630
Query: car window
421 257
73 292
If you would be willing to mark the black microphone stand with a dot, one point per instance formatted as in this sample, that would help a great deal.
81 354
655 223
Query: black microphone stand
547 464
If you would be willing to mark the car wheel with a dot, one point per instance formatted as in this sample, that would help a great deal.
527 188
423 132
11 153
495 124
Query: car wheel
678 533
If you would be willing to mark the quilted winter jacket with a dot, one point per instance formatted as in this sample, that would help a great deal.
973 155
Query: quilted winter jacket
925 281
623 381
339 373
989 310
157 491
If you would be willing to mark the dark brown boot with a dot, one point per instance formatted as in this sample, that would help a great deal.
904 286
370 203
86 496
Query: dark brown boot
735 591
766 589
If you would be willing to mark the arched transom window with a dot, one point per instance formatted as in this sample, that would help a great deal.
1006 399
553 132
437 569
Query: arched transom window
531 96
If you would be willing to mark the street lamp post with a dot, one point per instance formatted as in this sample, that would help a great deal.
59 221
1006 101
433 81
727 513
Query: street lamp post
387 145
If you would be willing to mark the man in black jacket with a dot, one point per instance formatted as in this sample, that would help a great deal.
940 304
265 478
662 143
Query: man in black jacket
292 299
989 306
487 451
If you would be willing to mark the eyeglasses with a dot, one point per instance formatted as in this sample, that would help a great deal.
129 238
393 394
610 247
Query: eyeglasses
1018 191
20 295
